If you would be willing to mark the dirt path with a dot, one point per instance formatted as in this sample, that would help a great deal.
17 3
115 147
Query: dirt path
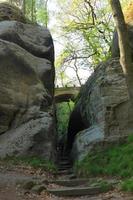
10 180
11 189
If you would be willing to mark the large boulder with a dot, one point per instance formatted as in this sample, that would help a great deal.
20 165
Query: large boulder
26 87
22 91
85 141
35 137
104 106
35 40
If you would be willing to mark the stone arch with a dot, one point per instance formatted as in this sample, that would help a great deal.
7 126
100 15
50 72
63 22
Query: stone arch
65 94
64 98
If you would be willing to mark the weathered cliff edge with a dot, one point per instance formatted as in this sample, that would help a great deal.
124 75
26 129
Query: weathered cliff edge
104 110
26 86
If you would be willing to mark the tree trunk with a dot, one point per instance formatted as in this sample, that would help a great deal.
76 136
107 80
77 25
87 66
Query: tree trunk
76 71
32 10
46 7
125 50
24 7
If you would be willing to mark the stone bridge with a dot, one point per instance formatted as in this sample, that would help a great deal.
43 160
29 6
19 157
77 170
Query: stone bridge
64 94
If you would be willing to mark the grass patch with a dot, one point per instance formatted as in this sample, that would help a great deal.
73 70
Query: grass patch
114 161
32 161
127 185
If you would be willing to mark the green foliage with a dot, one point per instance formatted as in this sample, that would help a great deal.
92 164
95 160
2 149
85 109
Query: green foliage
32 161
130 138
91 23
34 10
116 160
127 185
30 10
63 113
86 29
42 16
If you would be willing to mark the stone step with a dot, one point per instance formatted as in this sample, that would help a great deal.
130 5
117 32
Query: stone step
70 183
70 176
64 169
64 172
64 166
64 162
76 191
64 158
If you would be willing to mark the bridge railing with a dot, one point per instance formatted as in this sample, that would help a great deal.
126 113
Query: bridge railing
66 86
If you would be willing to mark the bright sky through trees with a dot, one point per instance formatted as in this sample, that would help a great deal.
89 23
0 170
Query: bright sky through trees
53 9
82 31
60 42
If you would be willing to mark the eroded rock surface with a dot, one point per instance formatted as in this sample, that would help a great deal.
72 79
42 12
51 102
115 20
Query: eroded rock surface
104 107
31 138
26 87
33 38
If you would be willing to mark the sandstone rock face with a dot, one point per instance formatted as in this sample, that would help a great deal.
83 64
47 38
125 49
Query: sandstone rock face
85 140
26 89
31 138
22 92
35 40
104 106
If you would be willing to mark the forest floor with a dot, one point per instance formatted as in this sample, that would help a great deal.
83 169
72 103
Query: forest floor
13 181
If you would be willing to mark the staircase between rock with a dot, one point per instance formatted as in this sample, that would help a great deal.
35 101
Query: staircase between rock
67 184
64 165
74 188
